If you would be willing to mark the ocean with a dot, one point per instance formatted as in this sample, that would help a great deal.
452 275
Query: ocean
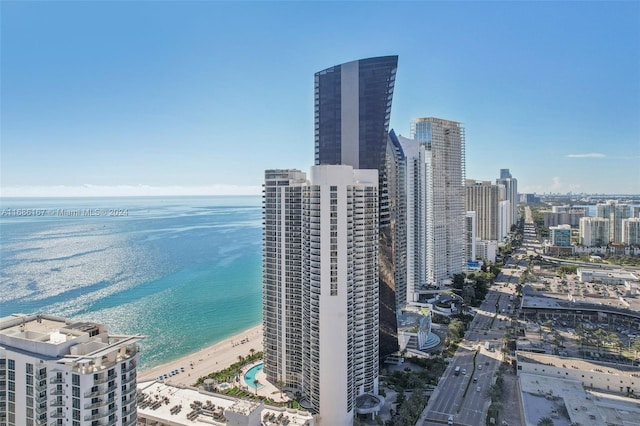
183 271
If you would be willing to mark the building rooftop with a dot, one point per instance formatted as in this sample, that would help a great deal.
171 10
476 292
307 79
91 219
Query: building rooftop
189 406
566 401
87 345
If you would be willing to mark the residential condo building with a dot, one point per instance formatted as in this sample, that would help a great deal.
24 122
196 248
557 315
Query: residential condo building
55 371
594 231
444 142
329 291
352 113
631 231
511 194
616 213
483 197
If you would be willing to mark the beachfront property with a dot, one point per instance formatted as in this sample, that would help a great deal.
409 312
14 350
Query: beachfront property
163 404
352 113
334 226
56 371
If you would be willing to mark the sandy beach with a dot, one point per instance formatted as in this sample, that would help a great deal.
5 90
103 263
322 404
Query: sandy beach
213 358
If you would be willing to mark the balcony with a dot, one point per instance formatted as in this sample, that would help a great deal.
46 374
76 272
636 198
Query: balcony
92 405
57 414
100 415
56 403
54 380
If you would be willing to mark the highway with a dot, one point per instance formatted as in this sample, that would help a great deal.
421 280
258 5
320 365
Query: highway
458 396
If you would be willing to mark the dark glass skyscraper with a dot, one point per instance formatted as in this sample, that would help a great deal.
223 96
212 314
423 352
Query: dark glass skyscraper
352 111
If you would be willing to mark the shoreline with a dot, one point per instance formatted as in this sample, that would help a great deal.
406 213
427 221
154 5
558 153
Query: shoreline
207 360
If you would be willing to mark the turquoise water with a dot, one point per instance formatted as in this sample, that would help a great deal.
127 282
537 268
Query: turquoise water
184 271
250 376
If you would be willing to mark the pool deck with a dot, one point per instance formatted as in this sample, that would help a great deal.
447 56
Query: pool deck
268 389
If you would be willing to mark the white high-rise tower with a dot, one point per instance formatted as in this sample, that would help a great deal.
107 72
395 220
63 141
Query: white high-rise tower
445 213
330 290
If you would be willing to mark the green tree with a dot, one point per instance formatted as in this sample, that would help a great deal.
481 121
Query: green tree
545 421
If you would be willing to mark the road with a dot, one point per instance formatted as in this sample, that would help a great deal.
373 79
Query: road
460 396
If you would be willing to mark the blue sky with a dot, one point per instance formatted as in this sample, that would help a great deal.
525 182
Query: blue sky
110 98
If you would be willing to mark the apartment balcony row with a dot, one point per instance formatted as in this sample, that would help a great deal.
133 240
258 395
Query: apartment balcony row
91 418
100 391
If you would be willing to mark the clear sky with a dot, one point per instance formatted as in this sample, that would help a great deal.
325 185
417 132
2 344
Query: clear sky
106 98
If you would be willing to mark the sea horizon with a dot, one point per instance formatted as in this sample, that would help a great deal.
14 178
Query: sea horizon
185 271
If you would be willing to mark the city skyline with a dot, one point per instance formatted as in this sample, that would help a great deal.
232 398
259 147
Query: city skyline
200 98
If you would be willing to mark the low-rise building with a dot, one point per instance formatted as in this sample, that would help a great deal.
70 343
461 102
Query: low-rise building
163 404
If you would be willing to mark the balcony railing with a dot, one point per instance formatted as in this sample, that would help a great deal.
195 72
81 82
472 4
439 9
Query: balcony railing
92 405
100 415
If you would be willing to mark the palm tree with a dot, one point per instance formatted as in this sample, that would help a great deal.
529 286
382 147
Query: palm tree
240 358
256 382
545 421
252 351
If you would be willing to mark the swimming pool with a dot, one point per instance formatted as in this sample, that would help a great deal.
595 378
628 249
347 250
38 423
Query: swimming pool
250 376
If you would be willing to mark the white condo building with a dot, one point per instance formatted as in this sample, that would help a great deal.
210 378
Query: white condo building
504 219
416 222
54 371
631 231
332 221
445 174
594 231
615 213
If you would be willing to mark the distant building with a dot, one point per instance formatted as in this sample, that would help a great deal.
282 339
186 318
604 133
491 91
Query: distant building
511 194
332 222
631 231
57 371
445 173
483 197
594 231
529 199
564 215
615 213
470 235
560 235
487 250
504 219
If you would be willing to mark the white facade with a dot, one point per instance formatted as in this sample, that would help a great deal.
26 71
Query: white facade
615 213
631 231
416 223
336 287
56 371
487 250
504 219
282 275
594 231
445 170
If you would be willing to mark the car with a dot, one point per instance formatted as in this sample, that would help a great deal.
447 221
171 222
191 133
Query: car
478 389
479 366
450 420
475 379
464 371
